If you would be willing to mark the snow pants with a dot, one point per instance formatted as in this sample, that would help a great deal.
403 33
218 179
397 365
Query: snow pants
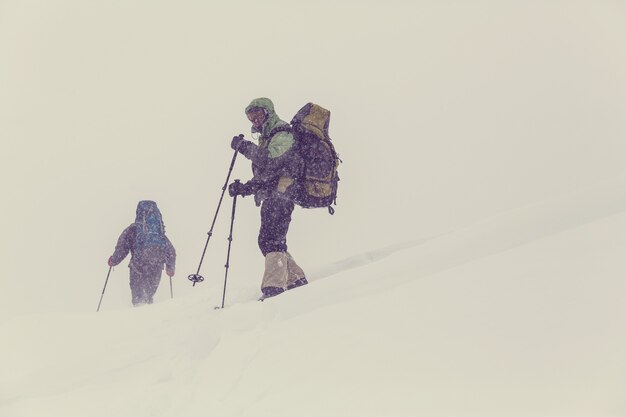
143 284
281 270
275 220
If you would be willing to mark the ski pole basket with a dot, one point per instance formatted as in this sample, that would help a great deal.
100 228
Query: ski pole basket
195 278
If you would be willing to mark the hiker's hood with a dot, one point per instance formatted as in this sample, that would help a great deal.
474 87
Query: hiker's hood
143 208
272 118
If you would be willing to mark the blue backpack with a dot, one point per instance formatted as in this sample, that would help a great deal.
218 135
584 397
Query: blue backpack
150 240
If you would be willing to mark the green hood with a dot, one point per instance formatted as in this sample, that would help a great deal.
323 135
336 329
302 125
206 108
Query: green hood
272 118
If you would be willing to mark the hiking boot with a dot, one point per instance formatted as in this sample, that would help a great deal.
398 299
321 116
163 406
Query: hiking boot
302 281
270 292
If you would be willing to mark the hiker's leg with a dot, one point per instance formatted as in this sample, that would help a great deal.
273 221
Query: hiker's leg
137 287
275 275
295 274
275 219
153 279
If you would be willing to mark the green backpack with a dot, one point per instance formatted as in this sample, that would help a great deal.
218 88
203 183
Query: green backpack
319 181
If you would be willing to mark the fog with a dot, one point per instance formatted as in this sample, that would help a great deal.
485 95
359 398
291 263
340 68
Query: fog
444 114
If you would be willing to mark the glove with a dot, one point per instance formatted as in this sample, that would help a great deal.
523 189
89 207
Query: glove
237 188
110 261
236 142
169 272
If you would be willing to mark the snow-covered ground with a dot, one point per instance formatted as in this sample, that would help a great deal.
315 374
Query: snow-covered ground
521 315
474 265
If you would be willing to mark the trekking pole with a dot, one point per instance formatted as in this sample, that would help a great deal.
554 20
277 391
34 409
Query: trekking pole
171 290
105 287
197 277
230 241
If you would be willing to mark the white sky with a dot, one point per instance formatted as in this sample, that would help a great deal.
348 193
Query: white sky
443 112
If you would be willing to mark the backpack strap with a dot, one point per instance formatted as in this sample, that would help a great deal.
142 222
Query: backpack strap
282 128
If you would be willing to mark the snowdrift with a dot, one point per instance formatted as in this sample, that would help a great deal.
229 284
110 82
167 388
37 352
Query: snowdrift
521 315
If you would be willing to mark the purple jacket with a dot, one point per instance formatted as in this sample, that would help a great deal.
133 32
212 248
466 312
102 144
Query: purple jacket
150 260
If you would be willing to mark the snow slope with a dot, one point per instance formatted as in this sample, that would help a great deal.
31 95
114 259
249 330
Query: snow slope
521 315
444 114
474 265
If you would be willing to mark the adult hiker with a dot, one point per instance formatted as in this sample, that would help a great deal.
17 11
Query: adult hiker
275 165
150 250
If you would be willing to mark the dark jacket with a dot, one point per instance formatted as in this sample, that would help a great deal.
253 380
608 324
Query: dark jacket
143 261
276 164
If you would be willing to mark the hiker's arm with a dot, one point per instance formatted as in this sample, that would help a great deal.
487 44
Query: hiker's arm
284 160
253 152
124 243
170 256
279 154
280 144
286 163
